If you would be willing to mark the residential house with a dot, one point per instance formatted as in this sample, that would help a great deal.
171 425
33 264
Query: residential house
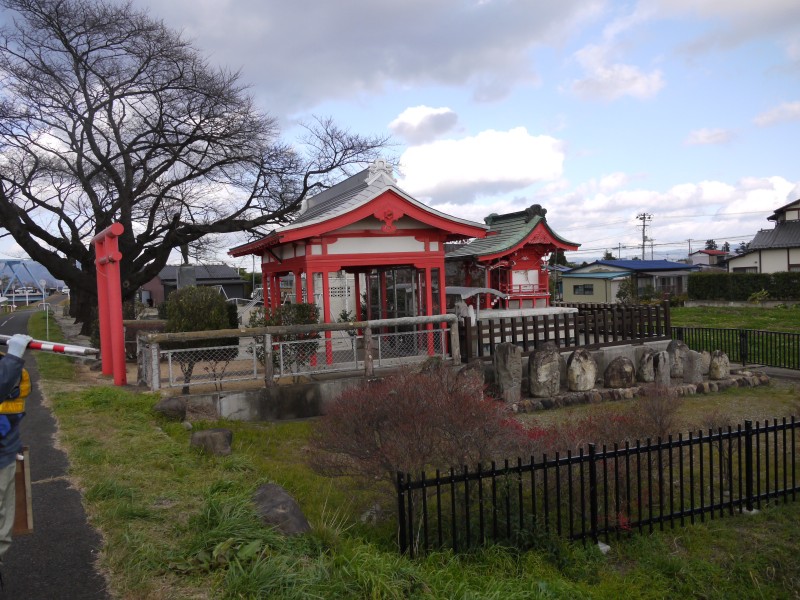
227 278
709 259
600 281
773 250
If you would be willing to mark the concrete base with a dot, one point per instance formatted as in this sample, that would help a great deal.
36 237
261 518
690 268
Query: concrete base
279 402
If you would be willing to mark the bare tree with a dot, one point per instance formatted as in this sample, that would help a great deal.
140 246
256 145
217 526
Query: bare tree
106 115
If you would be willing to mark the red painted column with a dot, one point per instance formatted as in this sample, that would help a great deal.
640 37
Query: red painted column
101 266
429 307
310 300
298 286
326 314
359 316
109 300
443 301
382 286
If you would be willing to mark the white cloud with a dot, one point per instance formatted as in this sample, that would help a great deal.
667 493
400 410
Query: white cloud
788 111
491 162
299 54
705 137
420 124
608 80
600 219
734 22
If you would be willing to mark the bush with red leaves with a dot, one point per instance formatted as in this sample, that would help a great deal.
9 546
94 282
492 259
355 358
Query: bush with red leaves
410 422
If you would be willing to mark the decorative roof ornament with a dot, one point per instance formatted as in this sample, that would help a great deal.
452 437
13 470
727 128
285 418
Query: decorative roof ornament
535 210
381 170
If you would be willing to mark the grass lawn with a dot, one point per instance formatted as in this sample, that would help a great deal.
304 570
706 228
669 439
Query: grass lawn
747 317
178 524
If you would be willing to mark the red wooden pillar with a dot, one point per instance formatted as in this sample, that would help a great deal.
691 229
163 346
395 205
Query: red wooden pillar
382 286
298 286
429 307
442 300
359 316
109 302
326 314
310 300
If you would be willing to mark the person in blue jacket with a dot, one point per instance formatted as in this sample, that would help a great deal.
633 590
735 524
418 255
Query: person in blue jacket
10 442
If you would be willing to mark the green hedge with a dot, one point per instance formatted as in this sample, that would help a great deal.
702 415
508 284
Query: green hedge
739 286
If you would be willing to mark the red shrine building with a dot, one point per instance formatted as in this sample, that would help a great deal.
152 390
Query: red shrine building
368 231
392 244
511 258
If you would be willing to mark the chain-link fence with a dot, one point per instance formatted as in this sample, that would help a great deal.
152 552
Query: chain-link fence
261 357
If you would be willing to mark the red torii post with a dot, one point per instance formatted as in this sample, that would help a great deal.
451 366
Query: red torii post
109 302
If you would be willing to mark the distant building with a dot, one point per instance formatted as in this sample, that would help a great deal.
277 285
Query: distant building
773 250
709 258
160 287
600 281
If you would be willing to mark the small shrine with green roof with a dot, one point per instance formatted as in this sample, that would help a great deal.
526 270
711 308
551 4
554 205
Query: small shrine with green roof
511 258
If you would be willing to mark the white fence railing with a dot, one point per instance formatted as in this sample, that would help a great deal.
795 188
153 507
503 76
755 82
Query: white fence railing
204 358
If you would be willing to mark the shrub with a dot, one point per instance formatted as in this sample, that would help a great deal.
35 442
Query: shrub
200 309
410 422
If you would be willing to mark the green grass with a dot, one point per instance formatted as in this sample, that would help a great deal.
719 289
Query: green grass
51 366
747 317
179 524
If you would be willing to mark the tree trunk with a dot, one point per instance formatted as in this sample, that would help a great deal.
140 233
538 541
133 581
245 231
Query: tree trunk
83 308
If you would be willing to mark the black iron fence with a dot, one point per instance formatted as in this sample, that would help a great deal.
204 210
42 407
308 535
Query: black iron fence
602 493
768 348
592 326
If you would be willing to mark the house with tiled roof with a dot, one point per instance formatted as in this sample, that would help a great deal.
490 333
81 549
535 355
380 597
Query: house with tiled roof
226 277
773 250
600 281
511 257
709 258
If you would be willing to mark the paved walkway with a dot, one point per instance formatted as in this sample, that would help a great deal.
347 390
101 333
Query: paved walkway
58 560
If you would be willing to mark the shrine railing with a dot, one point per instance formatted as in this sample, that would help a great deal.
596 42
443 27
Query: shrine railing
593 326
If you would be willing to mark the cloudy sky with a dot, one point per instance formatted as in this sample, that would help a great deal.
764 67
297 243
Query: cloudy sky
598 110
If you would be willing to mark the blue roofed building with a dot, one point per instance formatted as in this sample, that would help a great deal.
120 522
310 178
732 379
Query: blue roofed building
600 281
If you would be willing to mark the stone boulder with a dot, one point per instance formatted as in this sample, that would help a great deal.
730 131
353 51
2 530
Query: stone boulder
276 508
507 363
662 369
544 371
172 408
692 367
646 371
677 353
720 366
705 362
620 373
581 371
214 441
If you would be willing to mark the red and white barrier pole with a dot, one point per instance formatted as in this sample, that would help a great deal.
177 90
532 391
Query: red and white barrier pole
55 347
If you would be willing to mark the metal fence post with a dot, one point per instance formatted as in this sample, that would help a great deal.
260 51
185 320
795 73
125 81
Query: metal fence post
369 369
455 345
269 366
748 464
593 492
155 367
743 346
401 514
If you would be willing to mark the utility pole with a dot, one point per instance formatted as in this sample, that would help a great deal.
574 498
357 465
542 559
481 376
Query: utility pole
690 245
644 218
